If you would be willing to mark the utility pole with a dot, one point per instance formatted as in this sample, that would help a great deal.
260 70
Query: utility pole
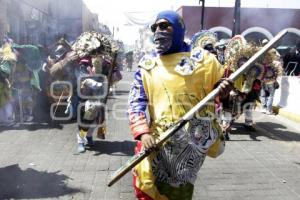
202 13
237 18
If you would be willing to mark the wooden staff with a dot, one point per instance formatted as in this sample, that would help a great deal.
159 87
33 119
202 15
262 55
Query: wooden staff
132 162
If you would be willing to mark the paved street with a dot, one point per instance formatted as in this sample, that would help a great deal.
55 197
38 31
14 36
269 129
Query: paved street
40 161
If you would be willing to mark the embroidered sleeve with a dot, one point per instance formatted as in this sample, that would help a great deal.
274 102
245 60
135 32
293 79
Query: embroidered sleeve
137 105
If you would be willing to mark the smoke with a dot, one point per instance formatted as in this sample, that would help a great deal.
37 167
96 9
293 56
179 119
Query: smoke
44 22
273 20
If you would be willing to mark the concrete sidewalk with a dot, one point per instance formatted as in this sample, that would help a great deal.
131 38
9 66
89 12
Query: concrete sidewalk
255 165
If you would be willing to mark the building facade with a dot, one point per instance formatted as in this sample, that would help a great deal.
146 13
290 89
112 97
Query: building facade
44 22
255 23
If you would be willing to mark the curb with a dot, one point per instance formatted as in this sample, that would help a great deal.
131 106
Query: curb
289 115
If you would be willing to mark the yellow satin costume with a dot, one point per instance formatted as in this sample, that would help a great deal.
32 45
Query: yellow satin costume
174 84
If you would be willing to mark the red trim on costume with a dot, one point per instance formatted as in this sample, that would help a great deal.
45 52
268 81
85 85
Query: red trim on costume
227 73
140 195
138 125
256 86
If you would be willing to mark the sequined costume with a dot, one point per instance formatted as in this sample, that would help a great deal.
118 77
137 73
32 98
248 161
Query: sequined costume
272 70
92 59
247 86
169 86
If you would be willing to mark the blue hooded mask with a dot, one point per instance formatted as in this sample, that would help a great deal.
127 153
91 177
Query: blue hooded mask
178 44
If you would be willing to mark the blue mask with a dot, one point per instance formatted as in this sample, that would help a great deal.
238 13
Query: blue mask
178 44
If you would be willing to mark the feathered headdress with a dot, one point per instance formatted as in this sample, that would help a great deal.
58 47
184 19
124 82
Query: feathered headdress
273 67
92 42
238 49
203 38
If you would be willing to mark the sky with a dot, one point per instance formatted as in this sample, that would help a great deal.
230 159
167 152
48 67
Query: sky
125 17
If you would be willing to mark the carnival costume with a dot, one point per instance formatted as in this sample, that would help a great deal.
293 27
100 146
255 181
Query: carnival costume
205 39
8 61
272 70
92 57
26 82
247 87
19 66
169 85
